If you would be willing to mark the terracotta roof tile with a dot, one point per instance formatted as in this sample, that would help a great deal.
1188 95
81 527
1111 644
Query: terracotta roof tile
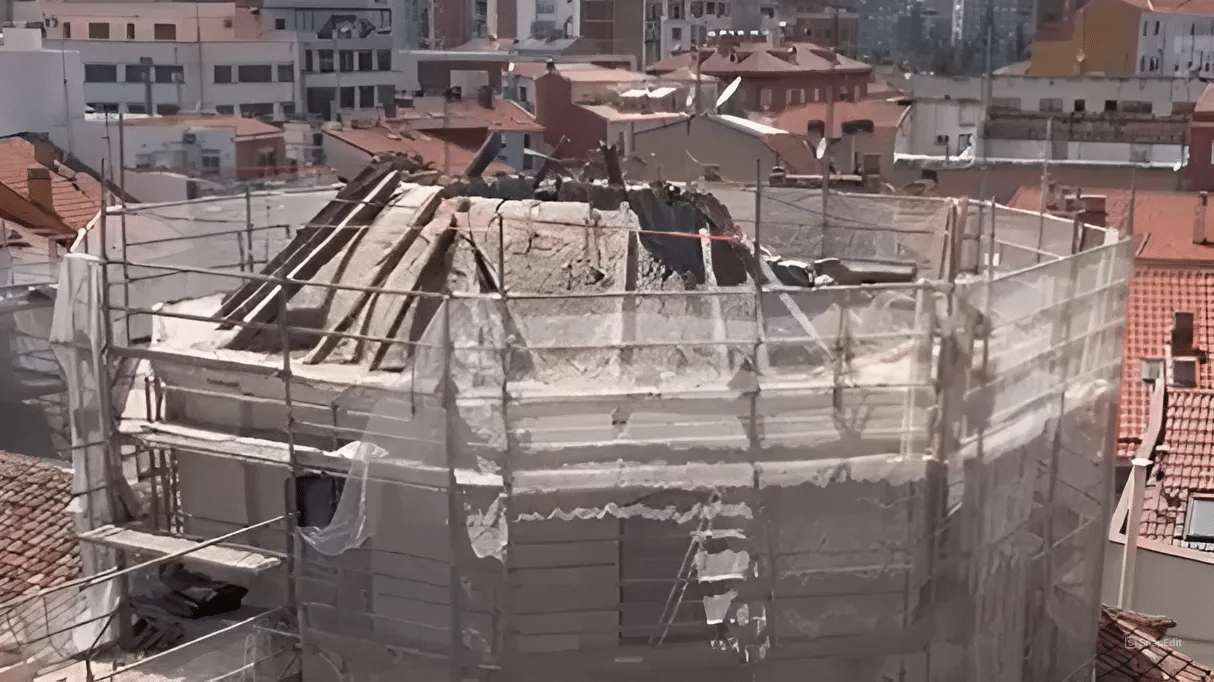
1132 648
882 113
77 201
1167 218
1184 467
241 126
382 141
466 113
38 545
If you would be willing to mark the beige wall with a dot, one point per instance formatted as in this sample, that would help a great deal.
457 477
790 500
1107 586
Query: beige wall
666 151
1106 31
1173 582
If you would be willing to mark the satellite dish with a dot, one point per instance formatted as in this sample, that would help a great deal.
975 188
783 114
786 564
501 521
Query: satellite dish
729 92
820 150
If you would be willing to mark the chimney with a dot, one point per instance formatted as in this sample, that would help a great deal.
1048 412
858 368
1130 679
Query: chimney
1093 211
1182 334
38 184
1199 222
551 66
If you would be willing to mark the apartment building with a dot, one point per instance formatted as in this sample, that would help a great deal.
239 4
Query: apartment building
1130 37
165 58
687 23
1073 120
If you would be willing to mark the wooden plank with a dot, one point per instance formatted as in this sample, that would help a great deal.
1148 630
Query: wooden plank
131 540
350 306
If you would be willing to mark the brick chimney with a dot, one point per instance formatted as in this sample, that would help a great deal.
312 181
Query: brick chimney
1199 221
38 184
1093 211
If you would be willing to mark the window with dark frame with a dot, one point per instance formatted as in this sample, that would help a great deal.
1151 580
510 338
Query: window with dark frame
130 31
366 96
383 60
136 73
280 24
67 30
225 109
255 73
167 109
99 31
365 61
136 108
170 73
286 73
100 73
223 73
347 98
164 31
1199 520
326 61
308 62
346 61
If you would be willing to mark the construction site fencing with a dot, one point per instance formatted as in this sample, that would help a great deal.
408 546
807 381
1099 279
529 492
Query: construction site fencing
906 481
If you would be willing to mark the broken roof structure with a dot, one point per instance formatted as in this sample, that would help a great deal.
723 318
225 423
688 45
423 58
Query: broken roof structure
588 430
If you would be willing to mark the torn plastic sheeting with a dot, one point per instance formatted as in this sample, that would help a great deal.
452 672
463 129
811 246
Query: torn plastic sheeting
635 475
892 469
724 565
488 531
694 513
716 606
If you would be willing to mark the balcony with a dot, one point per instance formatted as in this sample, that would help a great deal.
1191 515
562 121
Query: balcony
1112 127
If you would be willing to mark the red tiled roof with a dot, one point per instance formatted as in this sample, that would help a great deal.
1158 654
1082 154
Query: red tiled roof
1205 103
77 201
1184 465
241 126
1167 218
505 116
686 60
790 59
382 141
883 114
38 545
1130 648
1156 293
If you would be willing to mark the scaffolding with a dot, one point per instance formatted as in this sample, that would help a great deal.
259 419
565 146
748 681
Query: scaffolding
470 470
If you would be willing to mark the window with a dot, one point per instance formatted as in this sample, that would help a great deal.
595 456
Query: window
255 73
1081 106
288 108
227 23
316 498
545 7
1157 28
280 24
100 73
130 31
366 61
1184 372
527 158
210 162
225 109
67 30
267 157
1144 28
258 109
136 108
326 61
366 96
676 33
347 98
223 74
137 73
1199 520
308 62
286 73
346 61
383 60
765 99
167 109
170 74
1050 104
522 95
98 31
164 31
1142 63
